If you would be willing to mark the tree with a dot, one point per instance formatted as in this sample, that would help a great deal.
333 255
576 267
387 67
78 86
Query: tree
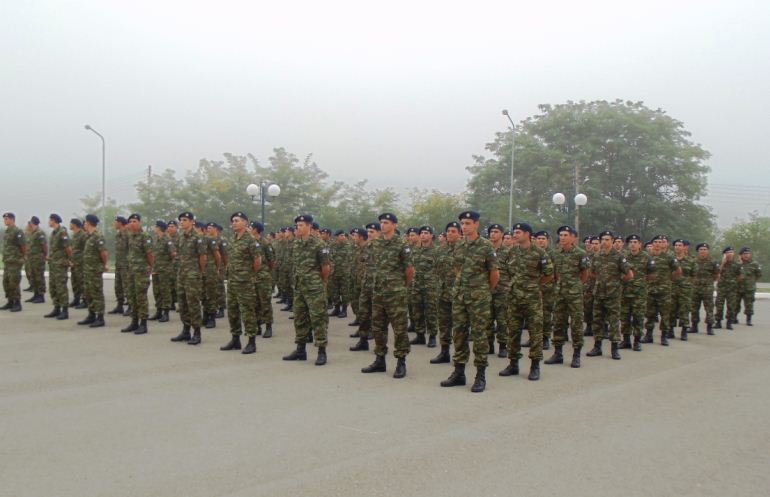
755 234
638 167
93 205
433 208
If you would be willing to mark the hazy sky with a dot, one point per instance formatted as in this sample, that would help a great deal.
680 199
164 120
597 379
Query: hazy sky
401 93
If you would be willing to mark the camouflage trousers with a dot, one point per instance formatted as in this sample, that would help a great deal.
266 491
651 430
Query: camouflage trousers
702 294
607 311
568 312
425 308
471 312
355 295
93 291
172 276
338 288
161 288
588 303
138 284
548 294
747 298
57 285
240 307
725 297
76 277
36 277
12 281
222 293
390 309
444 322
658 306
364 314
189 288
681 306
284 282
531 310
210 291
310 312
263 287
121 284
633 308
498 322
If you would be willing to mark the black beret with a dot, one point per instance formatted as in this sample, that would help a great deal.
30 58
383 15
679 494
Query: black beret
508 232
412 230
339 232
316 226
587 239
678 240
618 237
495 226
211 224
373 226
364 234
686 243
453 224
469 215
258 226
55 217
186 215
77 222
633 237
282 229
542 233
727 249
240 215
9 215
355 231
566 228
161 224
34 220
606 233
327 231
172 222
200 224
136 216
290 229
303 218
388 216
660 237
122 220
744 250
522 227
426 228
92 219
703 244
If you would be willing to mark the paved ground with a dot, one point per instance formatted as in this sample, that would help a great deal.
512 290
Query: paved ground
95 412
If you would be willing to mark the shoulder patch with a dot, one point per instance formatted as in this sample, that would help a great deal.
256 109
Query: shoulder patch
407 250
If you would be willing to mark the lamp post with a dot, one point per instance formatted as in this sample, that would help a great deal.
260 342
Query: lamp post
558 199
89 128
513 142
265 188
580 200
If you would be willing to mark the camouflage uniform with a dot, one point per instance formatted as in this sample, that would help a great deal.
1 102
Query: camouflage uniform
447 278
13 261
308 257
588 299
682 293
633 304
338 282
424 290
78 243
568 308
241 293
704 275
58 263
162 281
286 270
391 259
211 277
121 265
36 260
527 266
548 293
608 267
93 284
659 292
727 290
263 282
139 245
500 296
222 293
189 282
356 273
364 315
747 288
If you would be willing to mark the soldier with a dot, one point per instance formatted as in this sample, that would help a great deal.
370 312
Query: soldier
212 274
447 278
424 289
531 268
242 268
287 267
706 272
221 291
367 264
121 263
164 253
311 272
633 303
592 246
617 244
508 239
665 269
682 288
393 273
37 253
412 238
140 267
14 250
263 282
499 322
172 230
338 282
570 271
78 242
358 238
608 266
59 260
747 288
547 290
94 265
730 276
191 253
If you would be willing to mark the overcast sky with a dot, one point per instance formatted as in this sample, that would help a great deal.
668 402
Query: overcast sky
401 93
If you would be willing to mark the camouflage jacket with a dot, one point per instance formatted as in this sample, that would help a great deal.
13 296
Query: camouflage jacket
243 252
425 261
705 272
13 243
752 271
391 259
58 244
472 263
446 271
729 273
663 265
685 281
92 252
567 265
267 254
163 249
78 243
528 266
121 248
641 265
505 263
308 257
609 267
190 247
139 245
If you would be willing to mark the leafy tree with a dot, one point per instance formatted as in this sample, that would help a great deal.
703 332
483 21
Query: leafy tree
433 208
755 234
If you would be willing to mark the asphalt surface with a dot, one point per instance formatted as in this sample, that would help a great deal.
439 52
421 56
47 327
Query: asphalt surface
96 412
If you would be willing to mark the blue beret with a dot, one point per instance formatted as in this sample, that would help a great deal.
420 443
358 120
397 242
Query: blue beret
339 232
495 226
316 226
412 230
303 218
388 216
92 219
186 215
161 224
727 249
327 231
453 224
703 244
172 222
55 218
77 222
678 240
239 214
606 233
211 224
34 220
633 237
258 226
587 239
469 215
542 233
522 227
200 224
744 250
290 229
426 228
9 215
122 220
566 228
373 226
136 216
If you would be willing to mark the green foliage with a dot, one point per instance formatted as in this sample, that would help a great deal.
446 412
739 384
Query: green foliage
433 208
755 234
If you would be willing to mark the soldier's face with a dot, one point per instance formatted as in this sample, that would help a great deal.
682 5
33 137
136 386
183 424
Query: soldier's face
565 239
521 236
508 240
134 225
157 230
7 221
679 248
729 256
541 242
606 242
186 223
426 237
387 227
469 227
452 235
495 235
658 245
746 256
618 244
211 231
171 229
239 224
302 229
703 253
594 245
635 246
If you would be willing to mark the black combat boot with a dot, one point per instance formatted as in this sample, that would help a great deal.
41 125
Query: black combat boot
709 329
299 354
647 338
220 313
64 314
748 320
637 347
30 300
357 334
89 319
614 352
512 369
343 311
335 311
268 331
717 325
480 382
233 344
250 347
589 332
626 343
289 305
400 371
419 339
156 316
534 370
671 333
75 301
694 328
82 305
127 312
16 307
457 378
354 323
184 335
502 350
557 357
54 313
211 321
163 316
118 309
196 337
39 299
7 305
378 366
546 343
576 357
683 337
442 357
432 341
133 326
320 360
98 322
142 329
411 327
362 344
729 325
597 350
491 347
663 338
28 289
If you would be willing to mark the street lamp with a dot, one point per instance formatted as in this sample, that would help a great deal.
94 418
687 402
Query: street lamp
265 188
513 141
580 200
89 128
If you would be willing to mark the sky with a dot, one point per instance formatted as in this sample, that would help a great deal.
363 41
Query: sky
401 93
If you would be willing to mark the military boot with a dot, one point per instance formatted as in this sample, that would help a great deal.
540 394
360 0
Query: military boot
709 329
40 299
432 342
400 371
321 358
64 314
637 347
289 305
491 347
299 354
557 357
268 331
419 339
663 339
576 357
118 309
502 350
233 344
589 332
343 311
211 321
694 328
127 312
410 327
75 301
362 344
546 343
335 311
614 351
354 323
457 378
82 305
184 335
511 370
30 300
671 333
98 322
683 336
156 316
729 325
647 338
196 337
480 382
357 334
534 370
597 350
16 307
133 326
717 325
55 312
163 316
626 343
142 329
378 366
442 357
748 320
89 319
220 313
250 347
7 305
